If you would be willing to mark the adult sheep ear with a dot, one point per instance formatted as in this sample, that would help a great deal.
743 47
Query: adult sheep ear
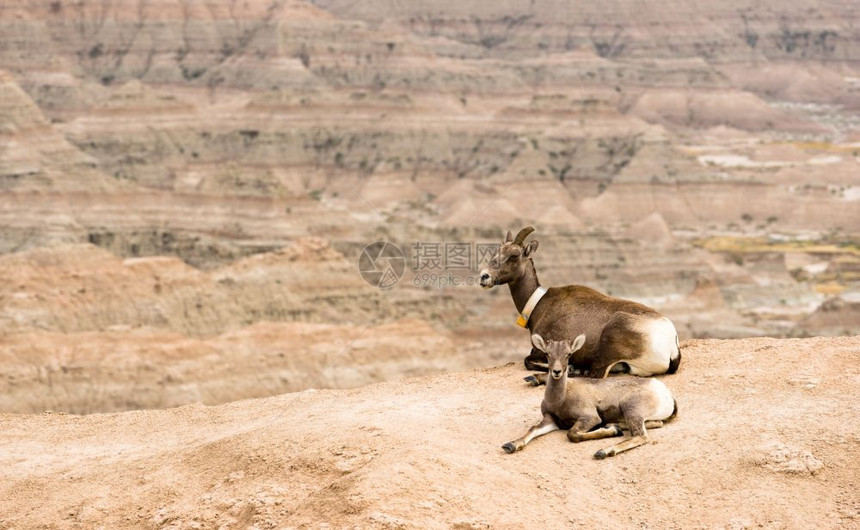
509 237
531 248
576 344
538 342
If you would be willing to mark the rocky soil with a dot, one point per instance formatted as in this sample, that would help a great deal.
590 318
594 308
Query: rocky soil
763 440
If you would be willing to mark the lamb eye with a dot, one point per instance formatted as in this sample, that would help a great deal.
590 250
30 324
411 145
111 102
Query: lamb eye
514 257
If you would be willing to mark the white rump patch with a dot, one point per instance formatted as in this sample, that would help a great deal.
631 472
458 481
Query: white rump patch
665 401
662 346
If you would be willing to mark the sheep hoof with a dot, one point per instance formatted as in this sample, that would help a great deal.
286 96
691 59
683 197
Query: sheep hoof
532 380
509 447
600 455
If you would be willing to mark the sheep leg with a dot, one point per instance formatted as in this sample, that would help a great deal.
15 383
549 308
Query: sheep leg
639 437
582 426
546 425
535 379
649 424
620 447
536 361
620 341
604 432
601 369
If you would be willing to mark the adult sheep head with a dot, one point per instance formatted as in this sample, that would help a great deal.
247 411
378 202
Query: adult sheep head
509 263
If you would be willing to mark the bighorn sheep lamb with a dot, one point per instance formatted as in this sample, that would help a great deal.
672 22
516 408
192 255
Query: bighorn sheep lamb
622 335
594 409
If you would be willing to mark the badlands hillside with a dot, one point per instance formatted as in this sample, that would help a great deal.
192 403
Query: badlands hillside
765 438
186 187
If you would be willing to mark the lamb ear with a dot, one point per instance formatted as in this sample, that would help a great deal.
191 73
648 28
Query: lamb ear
538 342
509 237
576 344
531 248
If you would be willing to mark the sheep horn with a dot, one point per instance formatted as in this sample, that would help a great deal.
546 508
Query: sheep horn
524 233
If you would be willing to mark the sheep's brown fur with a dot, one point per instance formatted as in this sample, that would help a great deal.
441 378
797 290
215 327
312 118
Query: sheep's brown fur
621 334
593 409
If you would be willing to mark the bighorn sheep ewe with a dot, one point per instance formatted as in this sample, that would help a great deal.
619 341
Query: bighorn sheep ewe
594 409
620 332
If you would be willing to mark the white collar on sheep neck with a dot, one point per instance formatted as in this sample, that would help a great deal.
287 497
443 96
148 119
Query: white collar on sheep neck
523 319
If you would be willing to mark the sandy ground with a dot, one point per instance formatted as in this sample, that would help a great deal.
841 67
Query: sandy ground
766 438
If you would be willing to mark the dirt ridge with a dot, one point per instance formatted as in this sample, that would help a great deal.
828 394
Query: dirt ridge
761 442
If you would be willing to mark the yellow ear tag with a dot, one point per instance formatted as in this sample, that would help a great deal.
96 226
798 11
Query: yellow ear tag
521 321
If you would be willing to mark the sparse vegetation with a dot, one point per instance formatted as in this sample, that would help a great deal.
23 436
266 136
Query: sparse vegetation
491 33
608 46
304 56
191 73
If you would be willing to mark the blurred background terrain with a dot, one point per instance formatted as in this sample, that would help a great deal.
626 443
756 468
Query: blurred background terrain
186 187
